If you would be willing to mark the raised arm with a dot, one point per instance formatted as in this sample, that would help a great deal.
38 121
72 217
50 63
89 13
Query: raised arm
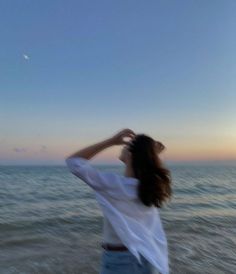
92 150
79 165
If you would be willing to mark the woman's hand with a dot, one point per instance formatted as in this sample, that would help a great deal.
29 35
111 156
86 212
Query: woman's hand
118 138
159 147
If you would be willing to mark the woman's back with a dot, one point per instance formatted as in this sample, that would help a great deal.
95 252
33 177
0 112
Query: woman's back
138 227
130 203
109 235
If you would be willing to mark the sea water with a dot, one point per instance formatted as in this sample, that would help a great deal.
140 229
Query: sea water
51 223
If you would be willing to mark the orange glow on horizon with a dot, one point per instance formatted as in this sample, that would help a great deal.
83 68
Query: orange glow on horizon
212 150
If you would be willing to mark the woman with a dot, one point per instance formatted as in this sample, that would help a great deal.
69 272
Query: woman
134 241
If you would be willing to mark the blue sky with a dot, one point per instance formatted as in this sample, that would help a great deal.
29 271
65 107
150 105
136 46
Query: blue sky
164 68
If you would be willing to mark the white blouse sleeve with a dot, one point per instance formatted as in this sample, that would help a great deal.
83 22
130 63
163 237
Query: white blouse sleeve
96 179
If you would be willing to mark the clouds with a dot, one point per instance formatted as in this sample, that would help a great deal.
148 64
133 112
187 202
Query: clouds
41 149
20 149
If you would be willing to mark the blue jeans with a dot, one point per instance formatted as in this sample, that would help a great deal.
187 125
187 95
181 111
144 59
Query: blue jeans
124 262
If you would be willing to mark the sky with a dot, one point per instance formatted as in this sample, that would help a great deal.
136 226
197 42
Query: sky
74 73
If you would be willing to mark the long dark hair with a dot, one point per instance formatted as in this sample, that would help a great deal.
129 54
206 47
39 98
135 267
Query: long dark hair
154 186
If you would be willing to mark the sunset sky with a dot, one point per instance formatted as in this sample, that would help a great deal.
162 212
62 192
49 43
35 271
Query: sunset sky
73 73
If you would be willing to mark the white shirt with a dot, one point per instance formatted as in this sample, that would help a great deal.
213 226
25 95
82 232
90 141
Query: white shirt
109 234
138 226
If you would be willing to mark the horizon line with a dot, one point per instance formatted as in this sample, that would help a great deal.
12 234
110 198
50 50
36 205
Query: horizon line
192 162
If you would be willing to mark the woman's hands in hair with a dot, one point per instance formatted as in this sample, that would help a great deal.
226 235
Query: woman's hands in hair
159 146
118 138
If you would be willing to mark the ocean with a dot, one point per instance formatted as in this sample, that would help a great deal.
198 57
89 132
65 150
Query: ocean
51 223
